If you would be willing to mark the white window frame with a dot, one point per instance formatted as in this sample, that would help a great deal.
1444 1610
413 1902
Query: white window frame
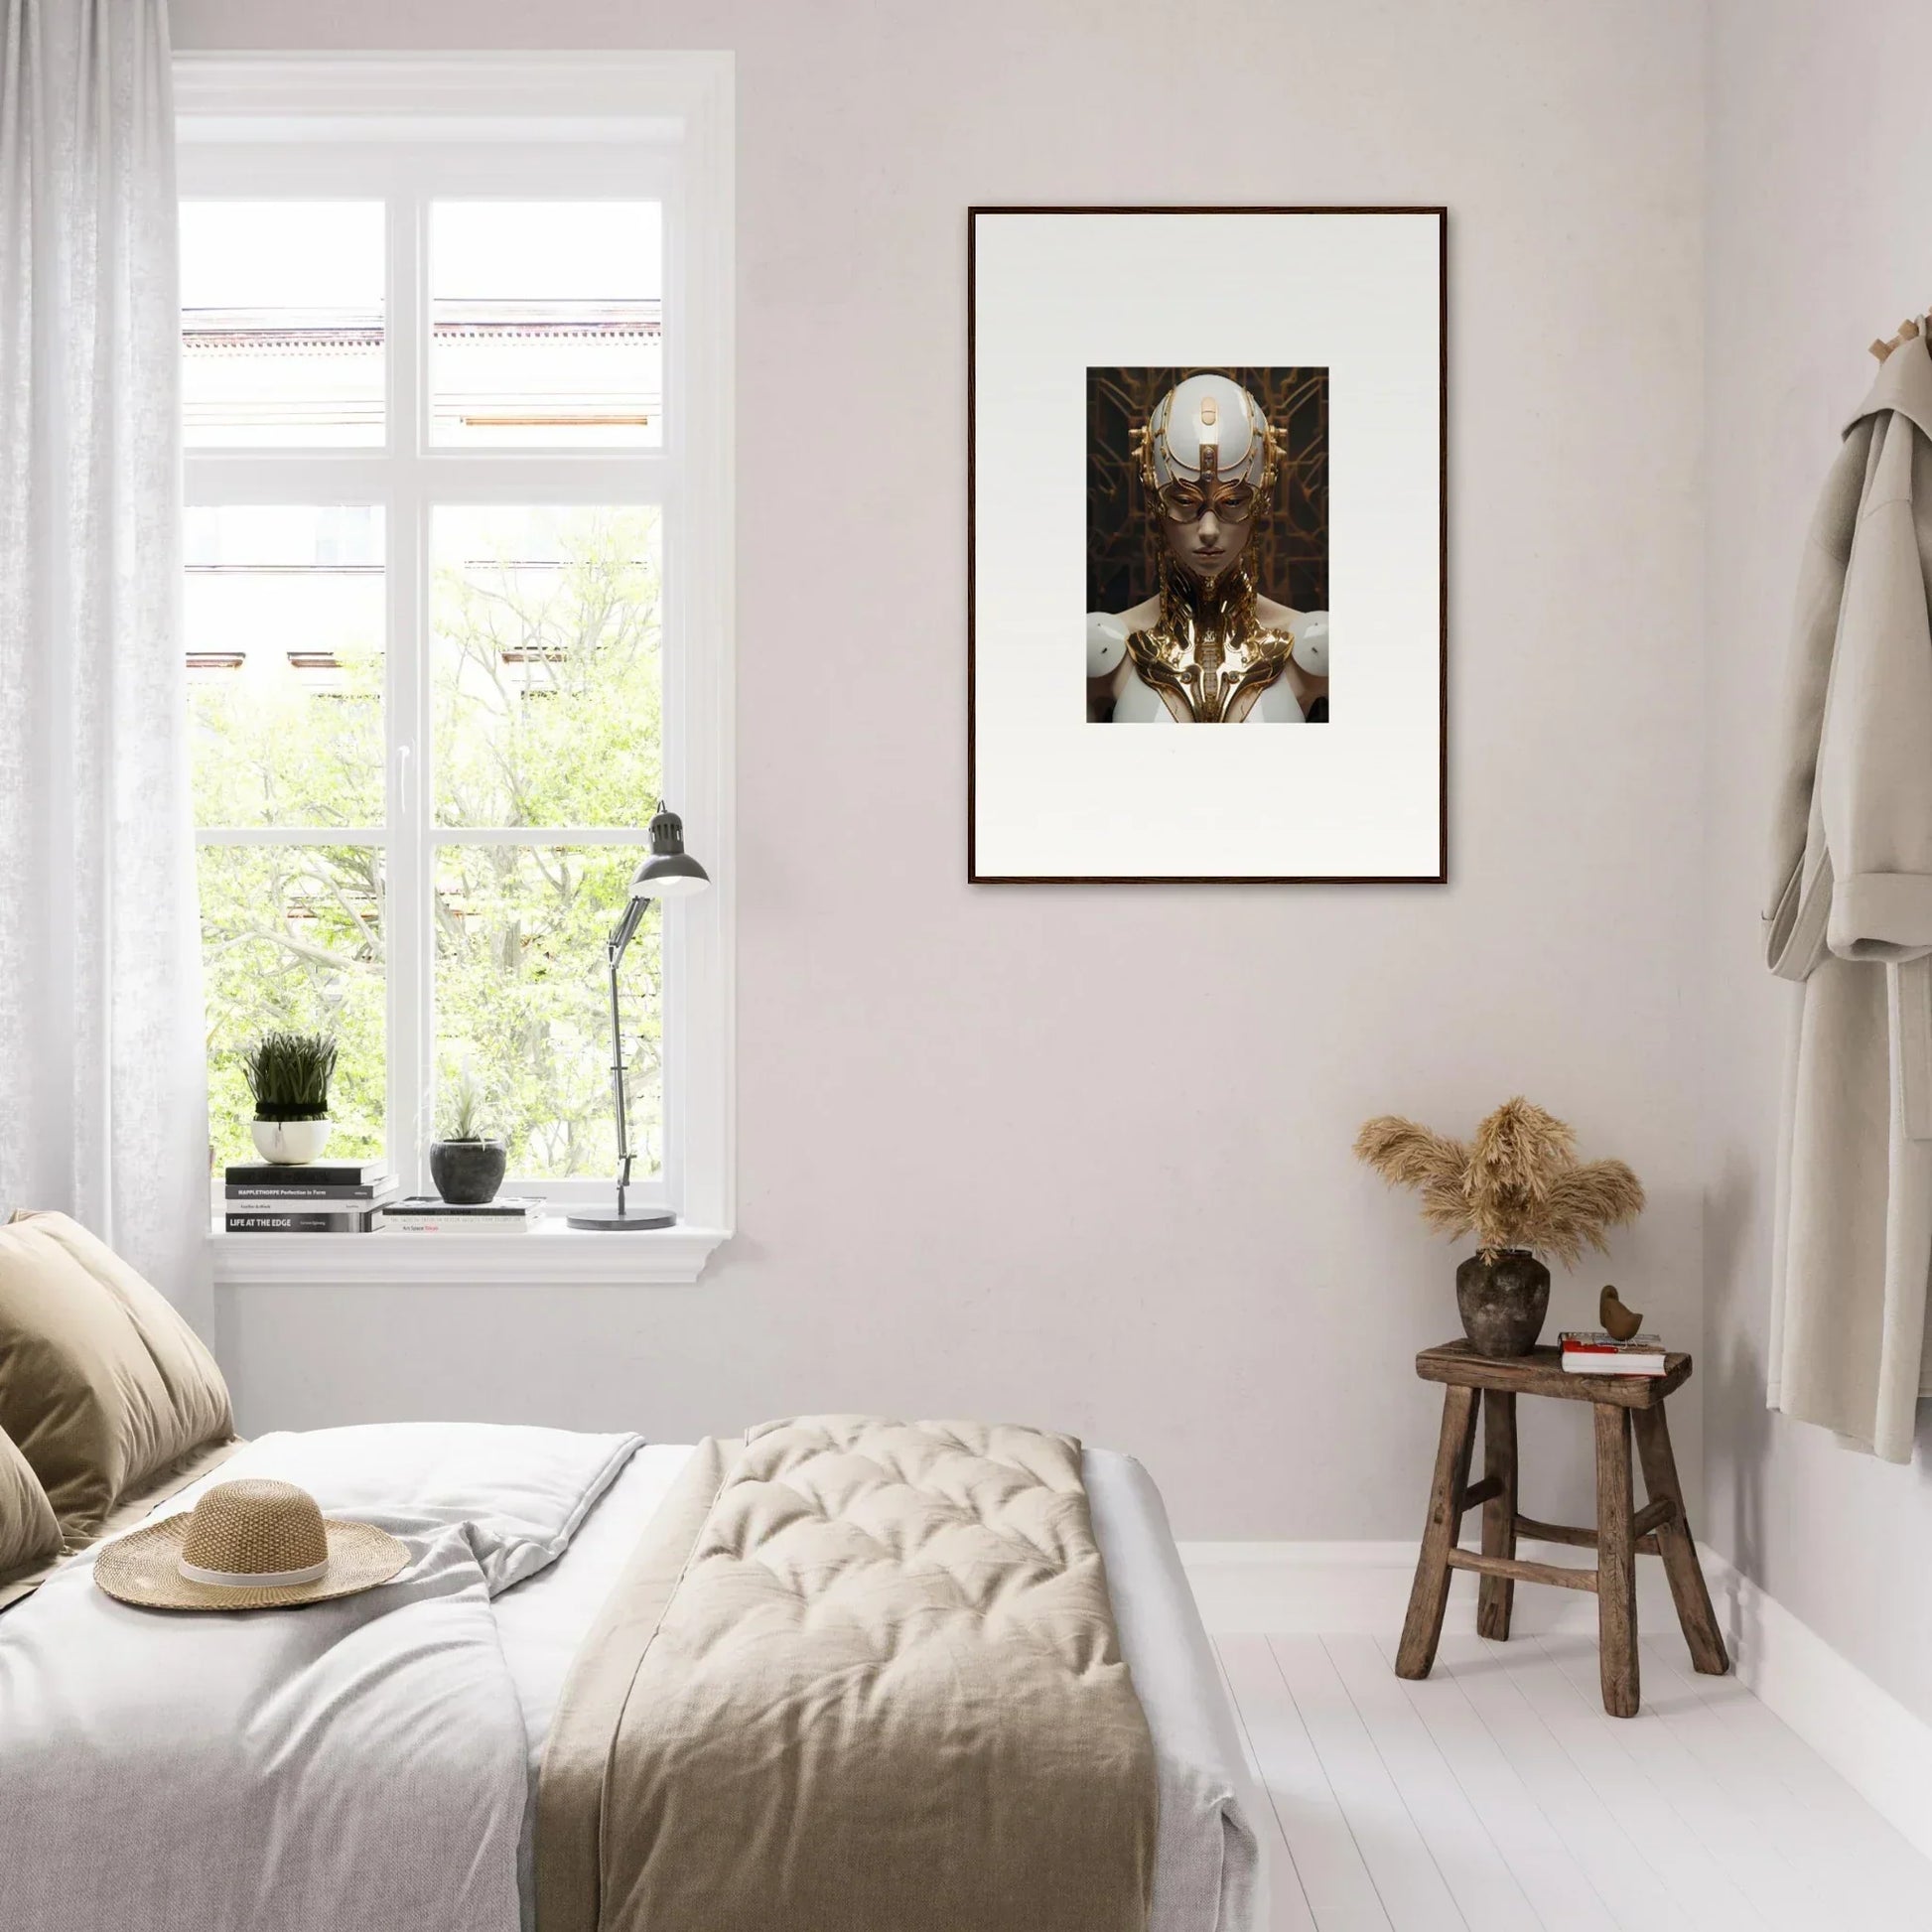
411 129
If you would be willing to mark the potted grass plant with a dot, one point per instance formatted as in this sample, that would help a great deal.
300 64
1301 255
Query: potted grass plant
1519 1189
468 1163
289 1075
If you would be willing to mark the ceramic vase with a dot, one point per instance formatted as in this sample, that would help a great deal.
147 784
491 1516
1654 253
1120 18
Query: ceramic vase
1503 1299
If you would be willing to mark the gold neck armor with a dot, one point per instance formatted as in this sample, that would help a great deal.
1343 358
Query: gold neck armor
1208 647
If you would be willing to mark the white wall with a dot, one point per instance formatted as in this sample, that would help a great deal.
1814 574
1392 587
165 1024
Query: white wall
1820 240
991 1160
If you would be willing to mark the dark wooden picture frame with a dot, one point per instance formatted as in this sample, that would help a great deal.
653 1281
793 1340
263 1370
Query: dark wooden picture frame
973 874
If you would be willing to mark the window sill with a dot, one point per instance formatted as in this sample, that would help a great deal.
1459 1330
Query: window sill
549 1253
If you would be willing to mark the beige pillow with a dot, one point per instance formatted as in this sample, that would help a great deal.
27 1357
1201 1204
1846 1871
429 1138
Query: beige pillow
29 1533
101 1382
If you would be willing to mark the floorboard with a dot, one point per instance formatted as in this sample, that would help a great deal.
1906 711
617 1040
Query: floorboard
1405 1877
1496 1795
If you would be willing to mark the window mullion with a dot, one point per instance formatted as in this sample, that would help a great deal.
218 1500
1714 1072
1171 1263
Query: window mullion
291 835
411 862
543 834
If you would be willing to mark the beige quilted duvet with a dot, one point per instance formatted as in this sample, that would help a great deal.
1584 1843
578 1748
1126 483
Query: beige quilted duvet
862 1676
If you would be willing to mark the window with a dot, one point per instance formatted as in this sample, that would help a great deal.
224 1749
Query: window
456 339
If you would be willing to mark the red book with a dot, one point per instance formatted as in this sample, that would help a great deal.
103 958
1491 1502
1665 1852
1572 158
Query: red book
1591 1351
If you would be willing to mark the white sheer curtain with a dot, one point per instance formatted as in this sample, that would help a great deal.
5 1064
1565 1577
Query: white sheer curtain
101 1070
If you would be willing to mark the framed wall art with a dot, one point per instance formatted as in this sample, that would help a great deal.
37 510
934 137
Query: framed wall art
1202 439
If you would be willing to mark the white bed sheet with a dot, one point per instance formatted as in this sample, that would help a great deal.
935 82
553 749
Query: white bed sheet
1208 1873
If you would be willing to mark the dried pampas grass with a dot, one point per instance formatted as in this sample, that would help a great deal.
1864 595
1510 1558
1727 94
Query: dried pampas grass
1408 1156
1517 1185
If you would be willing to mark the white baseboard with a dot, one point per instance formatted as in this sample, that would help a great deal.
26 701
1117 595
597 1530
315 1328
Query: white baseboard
1362 1589
1870 1739
1879 1747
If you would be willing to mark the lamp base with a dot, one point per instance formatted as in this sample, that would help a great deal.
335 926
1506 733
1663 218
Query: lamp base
608 1220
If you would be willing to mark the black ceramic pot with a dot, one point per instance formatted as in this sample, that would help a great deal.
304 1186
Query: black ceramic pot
1503 1299
468 1173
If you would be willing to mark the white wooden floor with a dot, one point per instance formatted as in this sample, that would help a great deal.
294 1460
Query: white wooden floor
1496 1795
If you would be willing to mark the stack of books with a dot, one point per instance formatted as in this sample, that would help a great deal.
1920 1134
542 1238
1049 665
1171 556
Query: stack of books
425 1214
323 1197
1593 1351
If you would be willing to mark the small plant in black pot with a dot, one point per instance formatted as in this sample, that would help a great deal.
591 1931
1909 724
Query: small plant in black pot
468 1163
289 1075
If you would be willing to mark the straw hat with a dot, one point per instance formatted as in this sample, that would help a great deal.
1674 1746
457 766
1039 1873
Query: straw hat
252 1544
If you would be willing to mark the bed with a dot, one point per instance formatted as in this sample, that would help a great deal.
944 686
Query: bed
1208 1875
839 1673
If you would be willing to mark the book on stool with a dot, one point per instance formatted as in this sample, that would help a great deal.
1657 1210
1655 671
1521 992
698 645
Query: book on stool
1596 1351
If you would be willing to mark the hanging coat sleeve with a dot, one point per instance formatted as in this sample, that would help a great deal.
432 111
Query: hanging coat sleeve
1874 769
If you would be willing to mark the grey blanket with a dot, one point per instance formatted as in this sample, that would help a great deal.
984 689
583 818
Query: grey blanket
193 1772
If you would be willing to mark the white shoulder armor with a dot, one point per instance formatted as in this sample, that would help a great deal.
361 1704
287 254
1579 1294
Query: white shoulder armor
1312 642
1106 642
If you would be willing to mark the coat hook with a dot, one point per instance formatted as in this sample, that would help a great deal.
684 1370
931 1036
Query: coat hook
1909 330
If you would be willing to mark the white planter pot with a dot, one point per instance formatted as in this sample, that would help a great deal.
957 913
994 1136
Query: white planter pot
290 1143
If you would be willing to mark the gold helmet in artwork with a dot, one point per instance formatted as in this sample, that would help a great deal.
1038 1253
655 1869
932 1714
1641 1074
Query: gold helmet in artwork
1207 444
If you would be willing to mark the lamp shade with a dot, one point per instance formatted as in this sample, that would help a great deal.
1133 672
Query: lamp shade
669 872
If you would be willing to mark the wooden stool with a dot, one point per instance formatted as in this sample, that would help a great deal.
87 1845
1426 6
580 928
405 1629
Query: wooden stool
1658 1529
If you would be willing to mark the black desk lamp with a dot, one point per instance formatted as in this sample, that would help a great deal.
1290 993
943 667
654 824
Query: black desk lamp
669 873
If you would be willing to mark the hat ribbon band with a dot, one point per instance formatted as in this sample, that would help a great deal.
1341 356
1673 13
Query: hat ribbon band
253 1579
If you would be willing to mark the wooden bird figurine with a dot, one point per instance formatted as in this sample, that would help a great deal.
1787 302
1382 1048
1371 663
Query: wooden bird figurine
1616 1320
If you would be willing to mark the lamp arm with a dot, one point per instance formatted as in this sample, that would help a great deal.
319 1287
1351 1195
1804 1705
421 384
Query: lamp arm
615 948
627 926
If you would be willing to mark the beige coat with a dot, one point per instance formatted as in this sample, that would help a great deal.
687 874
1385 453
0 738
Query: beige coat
1851 916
